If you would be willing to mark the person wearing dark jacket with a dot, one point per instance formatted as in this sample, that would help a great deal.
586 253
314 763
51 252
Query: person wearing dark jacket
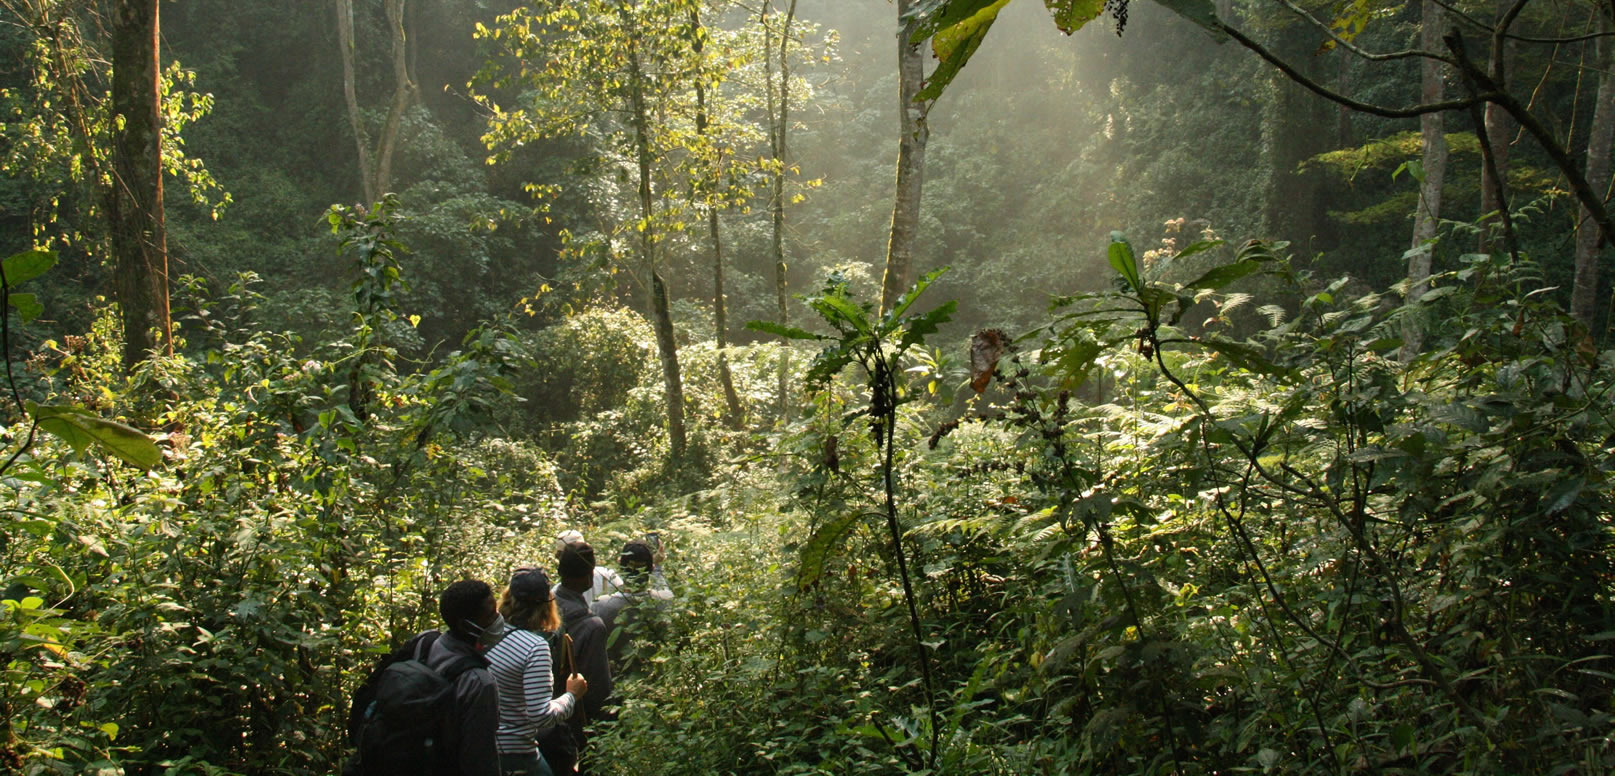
474 626
563 746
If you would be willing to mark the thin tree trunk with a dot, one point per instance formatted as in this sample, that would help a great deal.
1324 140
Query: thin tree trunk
720 316
1584 294
375 165
404 92
135 206
731 398
1433 143
1291 134
1498 130
911 139
662 316
779 112
350 95
1343 133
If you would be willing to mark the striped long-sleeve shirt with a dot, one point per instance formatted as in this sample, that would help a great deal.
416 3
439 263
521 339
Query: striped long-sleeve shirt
520 663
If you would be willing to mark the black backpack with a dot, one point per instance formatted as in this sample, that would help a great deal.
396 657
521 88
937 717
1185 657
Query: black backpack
402 714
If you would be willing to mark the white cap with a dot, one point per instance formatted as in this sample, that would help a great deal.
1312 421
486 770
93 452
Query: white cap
565 538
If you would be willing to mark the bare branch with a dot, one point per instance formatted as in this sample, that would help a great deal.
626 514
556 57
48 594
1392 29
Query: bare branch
1353 48
1333 96
1530 123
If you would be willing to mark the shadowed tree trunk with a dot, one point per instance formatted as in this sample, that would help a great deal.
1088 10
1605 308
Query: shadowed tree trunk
911 139
1292 132
1498 129
779 112
662 315
1584 294
720 315
135 205
1433 143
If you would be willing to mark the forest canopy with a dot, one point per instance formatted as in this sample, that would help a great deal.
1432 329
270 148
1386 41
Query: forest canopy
1077 387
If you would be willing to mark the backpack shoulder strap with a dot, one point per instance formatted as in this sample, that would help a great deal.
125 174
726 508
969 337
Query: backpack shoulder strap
458 666
421 645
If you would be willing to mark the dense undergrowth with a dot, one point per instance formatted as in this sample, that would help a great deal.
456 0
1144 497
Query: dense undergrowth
1258 541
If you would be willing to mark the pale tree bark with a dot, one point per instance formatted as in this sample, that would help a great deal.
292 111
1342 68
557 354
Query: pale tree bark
135 205
404 93
720 315
1498 130
350 94
779 112
1433 145
661 311
1584 294
375 166
911 139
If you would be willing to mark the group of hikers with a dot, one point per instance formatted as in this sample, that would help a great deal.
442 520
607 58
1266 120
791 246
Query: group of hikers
512 685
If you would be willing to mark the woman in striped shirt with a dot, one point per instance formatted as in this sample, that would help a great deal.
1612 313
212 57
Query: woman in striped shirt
520 663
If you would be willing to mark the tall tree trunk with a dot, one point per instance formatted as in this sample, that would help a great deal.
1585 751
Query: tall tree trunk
135 206
1584 294
350 95
1433 144
1343 133
1498 129
1291 134
404 93
779 111
720 316
662 315
375 166
911 139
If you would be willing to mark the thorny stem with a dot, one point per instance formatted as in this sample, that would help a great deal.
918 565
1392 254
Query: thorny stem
885 382
11 379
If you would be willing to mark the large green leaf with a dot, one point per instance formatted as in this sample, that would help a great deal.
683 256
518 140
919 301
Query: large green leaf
815 554
1070 15
1122 259
922 326
837 308
28 306
1246 357
25 266
954 43
1223 274
907 299
827 364
81 428
933 16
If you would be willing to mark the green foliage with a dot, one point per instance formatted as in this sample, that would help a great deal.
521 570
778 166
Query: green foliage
211 615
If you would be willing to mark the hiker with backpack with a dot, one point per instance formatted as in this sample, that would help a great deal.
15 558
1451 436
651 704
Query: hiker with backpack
643 586
432 708
583 641
522 668
603 581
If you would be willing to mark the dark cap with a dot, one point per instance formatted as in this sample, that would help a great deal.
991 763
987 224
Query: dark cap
575 560
636 553
530 584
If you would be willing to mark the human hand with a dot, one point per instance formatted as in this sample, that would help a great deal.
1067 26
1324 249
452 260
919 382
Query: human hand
577 685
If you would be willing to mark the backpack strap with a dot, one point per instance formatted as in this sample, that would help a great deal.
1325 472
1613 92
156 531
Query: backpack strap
459 666
421 645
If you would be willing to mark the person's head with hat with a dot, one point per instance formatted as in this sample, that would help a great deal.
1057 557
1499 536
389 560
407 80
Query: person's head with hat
564 538
636 560
575 563
528 603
